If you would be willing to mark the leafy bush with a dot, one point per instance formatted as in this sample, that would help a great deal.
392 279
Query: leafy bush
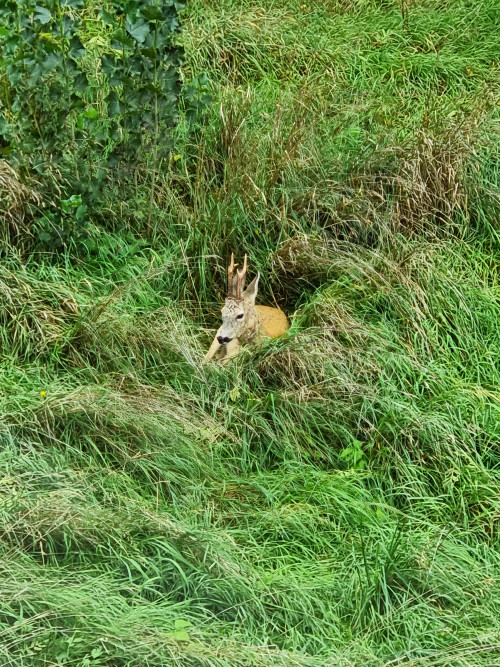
57 126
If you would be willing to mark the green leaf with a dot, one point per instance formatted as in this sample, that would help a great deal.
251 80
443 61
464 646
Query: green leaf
138 30
180 635
113 159
35 77
114 81
81 213
151 13
115 107
72 3
121 38
68 25
44 237
203 80
108 65
180 623
80 83
6 129
91 113
133 98
51 61
107 17
74 201
173 24
42 15
346 453
76 47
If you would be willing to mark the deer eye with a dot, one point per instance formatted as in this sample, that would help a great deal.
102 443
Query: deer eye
240 316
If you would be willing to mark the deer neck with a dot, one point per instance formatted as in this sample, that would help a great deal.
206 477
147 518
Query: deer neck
252 324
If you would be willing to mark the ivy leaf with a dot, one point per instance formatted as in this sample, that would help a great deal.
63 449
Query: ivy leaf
6 129
73 202
138 30
115 107
133 98
166 147
113 159
35 75
134 139
51 61
121 38
173 24
81 213
107 18
203 80
76 101
68 25
169 80
135 66
76 47
42 15
80 83
114 80
149 52
151 13
108 65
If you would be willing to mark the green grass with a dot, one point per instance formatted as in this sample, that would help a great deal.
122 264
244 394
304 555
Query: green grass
331 497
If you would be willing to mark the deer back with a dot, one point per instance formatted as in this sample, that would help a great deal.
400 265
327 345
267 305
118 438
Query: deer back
273 321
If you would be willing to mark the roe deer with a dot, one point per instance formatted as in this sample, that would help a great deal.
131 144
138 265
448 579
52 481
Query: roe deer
242 320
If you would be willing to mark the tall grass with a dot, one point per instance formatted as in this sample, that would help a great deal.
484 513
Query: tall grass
331 497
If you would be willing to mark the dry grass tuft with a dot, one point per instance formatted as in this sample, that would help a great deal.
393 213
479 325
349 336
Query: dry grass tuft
34 314
430 186
14 198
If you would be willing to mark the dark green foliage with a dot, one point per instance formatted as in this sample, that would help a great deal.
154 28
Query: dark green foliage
142 76
55 125
197 98
43 85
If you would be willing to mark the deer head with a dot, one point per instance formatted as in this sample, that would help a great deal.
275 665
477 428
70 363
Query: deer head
239 318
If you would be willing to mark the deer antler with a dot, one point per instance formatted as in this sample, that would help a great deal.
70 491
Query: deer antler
236 283
241 278
231 278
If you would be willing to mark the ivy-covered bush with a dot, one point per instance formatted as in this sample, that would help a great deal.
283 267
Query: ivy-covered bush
71 112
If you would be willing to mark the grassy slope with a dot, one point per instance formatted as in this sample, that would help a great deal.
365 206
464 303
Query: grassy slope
334 497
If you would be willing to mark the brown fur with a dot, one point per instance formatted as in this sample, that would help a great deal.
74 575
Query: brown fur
273 321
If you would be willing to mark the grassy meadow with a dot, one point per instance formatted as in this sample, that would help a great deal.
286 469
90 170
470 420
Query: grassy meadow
330 498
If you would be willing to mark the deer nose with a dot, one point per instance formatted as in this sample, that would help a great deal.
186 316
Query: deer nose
223 340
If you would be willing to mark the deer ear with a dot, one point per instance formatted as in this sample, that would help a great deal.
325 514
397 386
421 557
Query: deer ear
251 290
